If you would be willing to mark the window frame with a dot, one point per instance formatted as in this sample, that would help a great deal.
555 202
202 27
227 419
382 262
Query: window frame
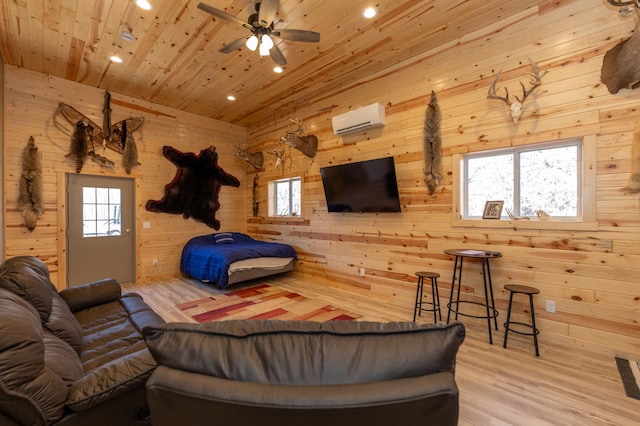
272 201
586 218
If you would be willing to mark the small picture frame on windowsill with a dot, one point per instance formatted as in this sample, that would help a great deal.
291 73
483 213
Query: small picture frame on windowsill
492 210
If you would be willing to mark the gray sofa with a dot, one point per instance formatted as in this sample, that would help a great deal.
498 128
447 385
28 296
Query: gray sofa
76 357
304 373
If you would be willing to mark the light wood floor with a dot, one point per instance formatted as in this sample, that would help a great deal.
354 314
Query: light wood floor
497 386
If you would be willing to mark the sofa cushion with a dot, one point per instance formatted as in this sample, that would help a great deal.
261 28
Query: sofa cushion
63 324
61 358
28 277
111 379
108 334
306 353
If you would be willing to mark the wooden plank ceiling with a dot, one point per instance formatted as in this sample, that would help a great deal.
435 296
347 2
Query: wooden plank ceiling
174 58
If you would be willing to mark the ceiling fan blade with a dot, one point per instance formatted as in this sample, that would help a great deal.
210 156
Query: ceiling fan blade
267 12
223 15
234 45
297 35
277 56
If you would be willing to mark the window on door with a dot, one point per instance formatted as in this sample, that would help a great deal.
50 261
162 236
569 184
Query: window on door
101 212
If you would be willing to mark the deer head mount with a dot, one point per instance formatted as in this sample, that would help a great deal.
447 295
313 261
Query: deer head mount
621 66
517 105
308 145
254 159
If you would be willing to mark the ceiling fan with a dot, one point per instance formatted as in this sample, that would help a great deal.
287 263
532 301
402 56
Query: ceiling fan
261 26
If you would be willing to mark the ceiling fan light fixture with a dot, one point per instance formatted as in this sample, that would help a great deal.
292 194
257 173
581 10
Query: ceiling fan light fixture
252 43
266 41
261 26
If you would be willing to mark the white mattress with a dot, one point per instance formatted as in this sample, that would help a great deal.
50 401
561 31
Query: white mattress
268 263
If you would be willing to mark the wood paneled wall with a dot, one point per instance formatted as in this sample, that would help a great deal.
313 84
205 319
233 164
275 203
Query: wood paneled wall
592 275
30 101
2 158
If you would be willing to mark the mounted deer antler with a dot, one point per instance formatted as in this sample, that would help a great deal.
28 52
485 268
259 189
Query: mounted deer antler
278 151
308 145
517 105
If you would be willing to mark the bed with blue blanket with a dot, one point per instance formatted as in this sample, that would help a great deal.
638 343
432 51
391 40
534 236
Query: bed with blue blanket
227 258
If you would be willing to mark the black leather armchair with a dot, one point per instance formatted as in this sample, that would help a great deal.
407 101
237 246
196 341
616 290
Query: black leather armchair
71 358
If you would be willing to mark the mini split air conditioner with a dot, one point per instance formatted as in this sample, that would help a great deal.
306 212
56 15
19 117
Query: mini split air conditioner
358 120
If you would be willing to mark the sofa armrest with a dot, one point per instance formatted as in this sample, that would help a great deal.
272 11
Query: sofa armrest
110 380
91 294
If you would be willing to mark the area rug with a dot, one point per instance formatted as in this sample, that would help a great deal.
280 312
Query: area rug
263 302
630 374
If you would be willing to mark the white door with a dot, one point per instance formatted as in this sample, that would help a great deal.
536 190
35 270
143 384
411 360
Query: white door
100 229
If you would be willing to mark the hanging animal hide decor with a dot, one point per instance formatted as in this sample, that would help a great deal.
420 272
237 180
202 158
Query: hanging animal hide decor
634 181
30 189
106 119
129 149
432 145
78 149
101 160
194 190
85 140
255 201
66 117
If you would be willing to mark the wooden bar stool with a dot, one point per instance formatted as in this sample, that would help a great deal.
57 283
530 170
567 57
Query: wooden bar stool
529 291
433 276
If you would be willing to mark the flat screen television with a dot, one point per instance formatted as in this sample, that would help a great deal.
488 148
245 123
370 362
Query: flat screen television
362 187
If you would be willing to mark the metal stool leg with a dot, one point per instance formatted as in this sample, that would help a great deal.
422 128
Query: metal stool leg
533 324
459 288
493 302
453 286
506 324
418 306
437 298
485 264
433 299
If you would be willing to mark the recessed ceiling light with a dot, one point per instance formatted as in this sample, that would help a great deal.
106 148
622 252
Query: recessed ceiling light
277 70
143 4
370 12
231 98
117 59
